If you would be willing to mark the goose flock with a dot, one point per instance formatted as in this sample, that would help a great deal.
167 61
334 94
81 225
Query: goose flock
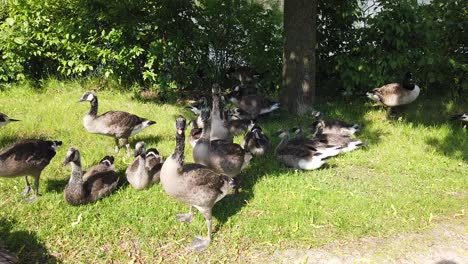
219 161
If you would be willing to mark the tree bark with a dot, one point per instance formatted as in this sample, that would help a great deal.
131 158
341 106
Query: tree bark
298 91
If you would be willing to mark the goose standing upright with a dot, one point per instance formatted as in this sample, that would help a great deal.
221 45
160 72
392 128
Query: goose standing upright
144 170
86 187
5 120
396 94
194 184
219 118
27 158
117 124
220 155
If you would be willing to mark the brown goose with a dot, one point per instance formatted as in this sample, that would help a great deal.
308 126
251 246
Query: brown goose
253 104
395 94
27 158
117 124
219 118
333 126
88 186
256 142
194 184
144 171
220 155
4 120
195 133
302 155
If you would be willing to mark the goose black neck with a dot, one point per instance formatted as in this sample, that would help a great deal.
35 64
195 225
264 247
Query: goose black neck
180 147
206 129
283 142
94 107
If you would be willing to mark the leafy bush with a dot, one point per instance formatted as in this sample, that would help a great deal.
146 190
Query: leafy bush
156 43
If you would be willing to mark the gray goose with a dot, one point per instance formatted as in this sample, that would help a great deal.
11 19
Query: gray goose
324 140
195 133
5 120
302 156
237 126
256 142
88 186
220 155
27 158
144 171
219 118
334 126
194 184
117 124
396 94
253 104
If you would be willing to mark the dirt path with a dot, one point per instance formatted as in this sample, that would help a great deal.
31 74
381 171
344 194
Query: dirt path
445 244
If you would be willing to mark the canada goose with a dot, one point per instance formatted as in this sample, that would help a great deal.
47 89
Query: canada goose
220 155
237 126
320 140
243 74
462 117
395 94
27 158
195 108
219 117
253 104
144 171
194 184
195 133
86 187
4 120
302 156
117 124
334 126
256 142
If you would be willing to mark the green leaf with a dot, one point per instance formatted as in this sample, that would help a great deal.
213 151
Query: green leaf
10 21
19 40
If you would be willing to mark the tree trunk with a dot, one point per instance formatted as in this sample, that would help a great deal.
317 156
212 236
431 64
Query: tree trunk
298 91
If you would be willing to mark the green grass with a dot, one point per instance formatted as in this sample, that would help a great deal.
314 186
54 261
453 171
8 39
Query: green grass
412 175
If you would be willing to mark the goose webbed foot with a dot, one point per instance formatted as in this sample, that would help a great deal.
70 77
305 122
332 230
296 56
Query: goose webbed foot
200 244
185 218
31 199
26 191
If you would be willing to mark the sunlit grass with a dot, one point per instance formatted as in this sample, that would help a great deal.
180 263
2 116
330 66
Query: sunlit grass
412 174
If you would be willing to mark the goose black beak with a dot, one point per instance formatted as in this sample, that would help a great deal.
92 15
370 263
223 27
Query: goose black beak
14 120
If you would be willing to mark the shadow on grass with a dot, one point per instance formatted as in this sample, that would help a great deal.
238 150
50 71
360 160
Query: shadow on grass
436 113
8 140
23 244
150 140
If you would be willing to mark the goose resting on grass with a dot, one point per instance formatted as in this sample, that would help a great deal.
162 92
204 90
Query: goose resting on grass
88 186
302 154
117 124
144 171
194 184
